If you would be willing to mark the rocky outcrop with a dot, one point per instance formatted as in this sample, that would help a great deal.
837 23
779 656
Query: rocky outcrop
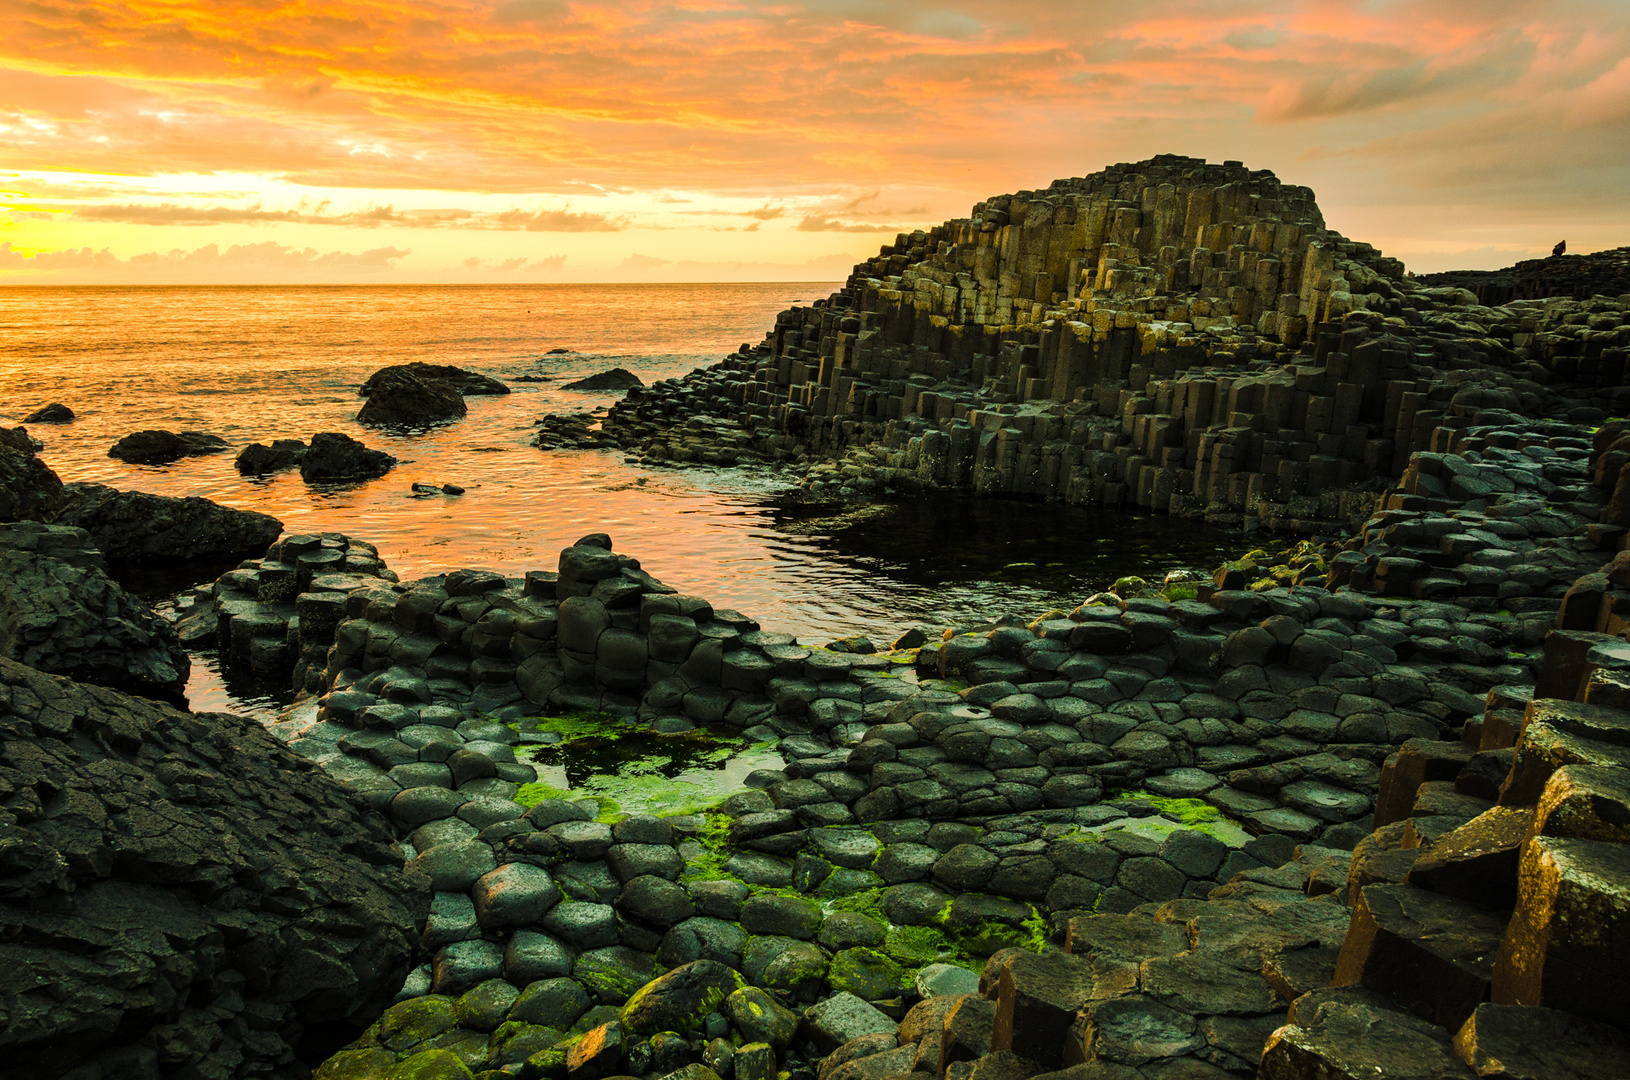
156 447
55 413
334 457
61 613
133 525
182 896
419 395
257 459
1575 277
29 490
615 379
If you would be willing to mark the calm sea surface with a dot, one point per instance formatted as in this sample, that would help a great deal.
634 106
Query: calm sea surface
252 364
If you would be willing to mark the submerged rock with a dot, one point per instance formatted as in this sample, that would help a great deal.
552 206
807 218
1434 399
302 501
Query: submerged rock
615 379
54 413
181 889
135 525
333 456
156 447
29 490
61 613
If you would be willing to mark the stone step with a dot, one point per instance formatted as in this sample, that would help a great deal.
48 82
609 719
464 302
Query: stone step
1415 763
1433 954
1477 862
1543 749
1590 802
1568 946
1346 1034
1517 1043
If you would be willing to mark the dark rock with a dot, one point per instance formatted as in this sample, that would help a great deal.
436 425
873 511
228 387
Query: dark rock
1351 1039
761 1018
842 1017
155 447
29 490
1434 952
680 999
55 413
1515 1042
257 459
61 613
419 395
615 379
132 525
1036 1000
333 457
188 888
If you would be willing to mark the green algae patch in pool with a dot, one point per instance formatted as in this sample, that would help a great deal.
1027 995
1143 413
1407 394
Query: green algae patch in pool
631 769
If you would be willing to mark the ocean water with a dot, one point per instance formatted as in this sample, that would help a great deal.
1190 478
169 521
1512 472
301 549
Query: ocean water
252 364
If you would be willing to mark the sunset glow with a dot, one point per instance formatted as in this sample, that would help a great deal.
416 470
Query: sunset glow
553 140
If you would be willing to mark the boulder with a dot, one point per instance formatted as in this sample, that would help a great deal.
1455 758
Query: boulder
54 413
61 613
159 528
336 457
615 379
461 379
156 447
419 395
29 490
257 459
181 889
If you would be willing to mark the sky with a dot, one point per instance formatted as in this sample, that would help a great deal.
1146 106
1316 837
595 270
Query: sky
445 141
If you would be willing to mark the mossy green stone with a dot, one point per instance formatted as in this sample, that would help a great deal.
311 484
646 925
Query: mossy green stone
431 1065
364 1064
546 1065
867 974
407 1024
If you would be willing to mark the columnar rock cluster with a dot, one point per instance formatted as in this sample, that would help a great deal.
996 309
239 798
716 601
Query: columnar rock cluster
1174 335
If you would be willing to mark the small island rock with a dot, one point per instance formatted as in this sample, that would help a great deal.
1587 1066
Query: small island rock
156 447
615 379
333 456
54 413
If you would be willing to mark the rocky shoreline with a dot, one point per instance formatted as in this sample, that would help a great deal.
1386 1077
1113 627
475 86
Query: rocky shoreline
1350 807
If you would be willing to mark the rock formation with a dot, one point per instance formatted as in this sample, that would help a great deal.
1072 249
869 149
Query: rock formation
61 613
156 529
55 413
1574 277
29 490
182 896
419 395
336 458
614 379
258 459
155 447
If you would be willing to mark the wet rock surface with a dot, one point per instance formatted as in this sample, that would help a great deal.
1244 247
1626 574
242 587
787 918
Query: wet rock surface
333 457
418 394
158 447
183 894
61 613
156 529
29 490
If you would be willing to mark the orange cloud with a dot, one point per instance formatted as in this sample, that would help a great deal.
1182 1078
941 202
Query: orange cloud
798 108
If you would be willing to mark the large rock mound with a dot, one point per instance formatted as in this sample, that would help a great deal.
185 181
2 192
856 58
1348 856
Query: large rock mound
333 456
418 395
61 613
136 525
29 490
183 896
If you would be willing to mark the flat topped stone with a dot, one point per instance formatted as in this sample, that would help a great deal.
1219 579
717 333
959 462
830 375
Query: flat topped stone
1433 951
1566 945
1543 749
842 1017
1515 1042
1355 1039
1590 802
1477 862
1600 722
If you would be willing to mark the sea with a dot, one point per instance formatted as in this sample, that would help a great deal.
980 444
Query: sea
257 363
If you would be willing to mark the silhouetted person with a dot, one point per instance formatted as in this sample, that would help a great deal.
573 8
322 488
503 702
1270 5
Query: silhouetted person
1561 246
